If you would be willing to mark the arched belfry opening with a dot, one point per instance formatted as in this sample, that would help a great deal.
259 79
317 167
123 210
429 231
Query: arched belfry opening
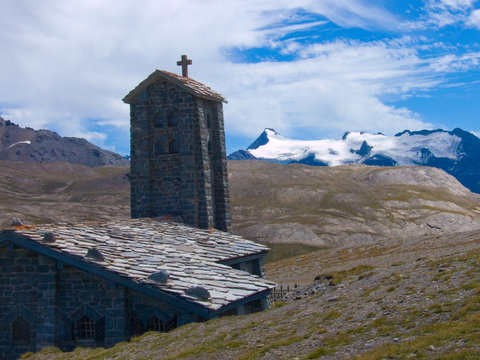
178 160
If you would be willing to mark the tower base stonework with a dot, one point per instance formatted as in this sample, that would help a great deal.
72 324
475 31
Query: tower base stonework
178 155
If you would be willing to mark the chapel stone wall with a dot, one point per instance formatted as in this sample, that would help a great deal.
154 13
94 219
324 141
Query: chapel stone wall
82 294
27 292
52 299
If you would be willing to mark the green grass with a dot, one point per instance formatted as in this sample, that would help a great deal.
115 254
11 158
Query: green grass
285 250
319 352
444 334
464 327
337 277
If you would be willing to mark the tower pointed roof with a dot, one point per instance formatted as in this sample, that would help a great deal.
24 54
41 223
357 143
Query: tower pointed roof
188 84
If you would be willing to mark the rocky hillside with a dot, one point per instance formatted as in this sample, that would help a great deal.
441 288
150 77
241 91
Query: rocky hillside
272 203
335 206
26 144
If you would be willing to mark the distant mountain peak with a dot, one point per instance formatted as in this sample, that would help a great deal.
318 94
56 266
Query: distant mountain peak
263 139
270 130
27 144
457 151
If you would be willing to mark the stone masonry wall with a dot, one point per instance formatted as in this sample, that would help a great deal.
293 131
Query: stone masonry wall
80 293
142 308
212 133
162 146
178 157
52 298
254 267
27 291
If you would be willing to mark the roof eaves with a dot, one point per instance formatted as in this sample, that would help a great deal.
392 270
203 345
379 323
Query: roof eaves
140 87
244 258
240 302
94 269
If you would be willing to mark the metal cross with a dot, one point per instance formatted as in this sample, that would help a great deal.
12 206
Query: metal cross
184 64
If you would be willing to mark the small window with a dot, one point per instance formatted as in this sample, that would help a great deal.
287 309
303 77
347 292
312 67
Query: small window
20 330
209 121
155 324
210 147
173 147
86 328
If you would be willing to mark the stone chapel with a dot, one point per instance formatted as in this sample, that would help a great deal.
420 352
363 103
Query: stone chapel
96 284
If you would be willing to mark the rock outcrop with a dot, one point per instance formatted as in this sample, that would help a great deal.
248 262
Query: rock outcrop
26 144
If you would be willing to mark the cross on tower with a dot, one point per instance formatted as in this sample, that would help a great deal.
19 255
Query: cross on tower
184 64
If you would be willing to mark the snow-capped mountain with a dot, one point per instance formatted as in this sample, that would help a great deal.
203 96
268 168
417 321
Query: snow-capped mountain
457 151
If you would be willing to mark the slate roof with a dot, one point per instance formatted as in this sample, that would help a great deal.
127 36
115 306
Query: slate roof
135 249
188 84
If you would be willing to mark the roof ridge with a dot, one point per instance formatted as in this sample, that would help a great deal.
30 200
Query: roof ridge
190 85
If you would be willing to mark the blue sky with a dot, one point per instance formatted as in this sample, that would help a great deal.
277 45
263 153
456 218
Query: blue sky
309 69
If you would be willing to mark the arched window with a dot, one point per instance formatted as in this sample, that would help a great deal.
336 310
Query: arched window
20 330
86 328
155 324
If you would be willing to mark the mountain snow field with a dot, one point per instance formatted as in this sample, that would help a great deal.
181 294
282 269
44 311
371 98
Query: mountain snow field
353 148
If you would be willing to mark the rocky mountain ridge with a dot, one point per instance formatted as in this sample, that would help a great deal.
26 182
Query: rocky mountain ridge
29 145
273 203
457 152
348 204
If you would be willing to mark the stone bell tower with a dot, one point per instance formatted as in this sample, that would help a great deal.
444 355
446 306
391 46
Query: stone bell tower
178 158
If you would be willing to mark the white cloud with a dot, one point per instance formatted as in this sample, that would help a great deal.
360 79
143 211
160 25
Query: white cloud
70 63
355 13
474 19
440 13
335 87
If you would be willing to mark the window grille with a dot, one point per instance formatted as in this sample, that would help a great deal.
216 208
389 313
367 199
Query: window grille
155 324
86 328
20 330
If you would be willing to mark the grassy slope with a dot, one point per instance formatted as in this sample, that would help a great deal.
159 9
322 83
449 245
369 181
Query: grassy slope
61 192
